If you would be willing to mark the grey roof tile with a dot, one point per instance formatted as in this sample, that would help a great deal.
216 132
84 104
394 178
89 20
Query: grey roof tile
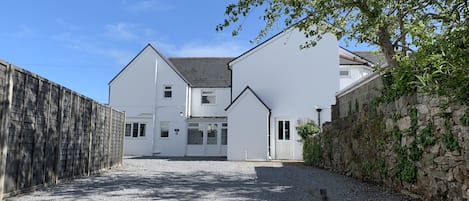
204 71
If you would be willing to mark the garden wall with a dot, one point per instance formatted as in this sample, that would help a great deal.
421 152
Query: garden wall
417 144
49 133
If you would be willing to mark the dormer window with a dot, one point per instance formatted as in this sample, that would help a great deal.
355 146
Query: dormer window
208 97
168 92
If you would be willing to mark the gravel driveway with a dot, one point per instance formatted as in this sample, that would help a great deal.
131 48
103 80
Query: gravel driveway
184 179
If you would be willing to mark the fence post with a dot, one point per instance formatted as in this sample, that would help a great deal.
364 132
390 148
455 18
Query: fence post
5 104
90 139
59 132
109 154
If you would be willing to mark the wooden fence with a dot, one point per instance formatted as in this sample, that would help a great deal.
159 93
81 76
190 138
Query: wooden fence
49 133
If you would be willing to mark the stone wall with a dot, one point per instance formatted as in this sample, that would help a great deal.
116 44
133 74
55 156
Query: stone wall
417 144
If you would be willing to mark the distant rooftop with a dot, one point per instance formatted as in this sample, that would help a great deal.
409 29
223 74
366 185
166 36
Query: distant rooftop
204 71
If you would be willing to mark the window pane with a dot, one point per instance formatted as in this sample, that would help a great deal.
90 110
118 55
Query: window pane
194 125
208 97
287 130
280 130
142 130
344 73
135 130
224 136
194 136
164 129
212 134
168 92
128 129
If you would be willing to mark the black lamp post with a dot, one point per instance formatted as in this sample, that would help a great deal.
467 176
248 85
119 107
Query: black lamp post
319 116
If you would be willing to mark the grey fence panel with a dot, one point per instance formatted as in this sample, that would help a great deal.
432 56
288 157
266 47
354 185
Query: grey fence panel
52 133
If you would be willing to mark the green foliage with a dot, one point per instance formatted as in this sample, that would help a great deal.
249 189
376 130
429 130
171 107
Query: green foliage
465 118
426 137
448 138
307 129
350 112
381 164
413 121
312 151
357 106
426 41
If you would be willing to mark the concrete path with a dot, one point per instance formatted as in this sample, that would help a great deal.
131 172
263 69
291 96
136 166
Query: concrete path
182 179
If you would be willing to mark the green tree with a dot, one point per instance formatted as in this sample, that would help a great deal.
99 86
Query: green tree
397 27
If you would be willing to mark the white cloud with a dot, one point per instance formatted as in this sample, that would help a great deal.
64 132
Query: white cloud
23 31
121 31
83 44
215 49
140 6
67 25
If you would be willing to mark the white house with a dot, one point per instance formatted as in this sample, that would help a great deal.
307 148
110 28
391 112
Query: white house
289 82
353 66
244 108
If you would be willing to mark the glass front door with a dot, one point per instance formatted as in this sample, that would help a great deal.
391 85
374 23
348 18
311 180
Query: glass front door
206 139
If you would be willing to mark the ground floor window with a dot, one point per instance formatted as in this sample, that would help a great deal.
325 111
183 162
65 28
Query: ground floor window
164 129
135 129
194 134
224 134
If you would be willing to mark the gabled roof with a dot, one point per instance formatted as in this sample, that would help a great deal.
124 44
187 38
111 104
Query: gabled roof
260 45
376 57
159 54
348 57
204 71
245 91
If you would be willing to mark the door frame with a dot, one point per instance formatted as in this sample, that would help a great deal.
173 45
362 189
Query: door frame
278 142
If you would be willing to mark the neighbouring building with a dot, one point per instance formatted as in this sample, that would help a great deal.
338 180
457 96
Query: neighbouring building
244 108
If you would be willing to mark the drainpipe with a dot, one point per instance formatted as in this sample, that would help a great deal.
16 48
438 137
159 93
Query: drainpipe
268 139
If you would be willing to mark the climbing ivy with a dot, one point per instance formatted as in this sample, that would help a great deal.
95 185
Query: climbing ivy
465 118
450 141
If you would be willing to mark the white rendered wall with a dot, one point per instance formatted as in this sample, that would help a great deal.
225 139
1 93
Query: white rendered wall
172 110
209 110
133 91
355 73
290 80
247 134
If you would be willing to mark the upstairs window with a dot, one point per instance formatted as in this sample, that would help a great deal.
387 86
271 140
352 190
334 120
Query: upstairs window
344 73
168 92
208 97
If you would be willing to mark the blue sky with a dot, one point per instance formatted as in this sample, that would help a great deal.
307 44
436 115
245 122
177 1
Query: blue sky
84 44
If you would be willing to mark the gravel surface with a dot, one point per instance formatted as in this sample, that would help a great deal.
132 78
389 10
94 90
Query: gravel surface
185 179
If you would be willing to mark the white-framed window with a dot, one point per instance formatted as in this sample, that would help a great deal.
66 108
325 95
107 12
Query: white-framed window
344 73
164 129
212 132
224 133
208 97
135 129
128 130
168 91
284 130
194 134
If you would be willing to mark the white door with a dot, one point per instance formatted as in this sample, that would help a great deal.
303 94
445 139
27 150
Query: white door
283 139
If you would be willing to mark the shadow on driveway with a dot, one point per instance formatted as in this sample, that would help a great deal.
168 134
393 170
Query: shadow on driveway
181 179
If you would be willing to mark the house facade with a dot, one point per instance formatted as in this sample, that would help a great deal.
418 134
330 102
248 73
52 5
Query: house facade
244 108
